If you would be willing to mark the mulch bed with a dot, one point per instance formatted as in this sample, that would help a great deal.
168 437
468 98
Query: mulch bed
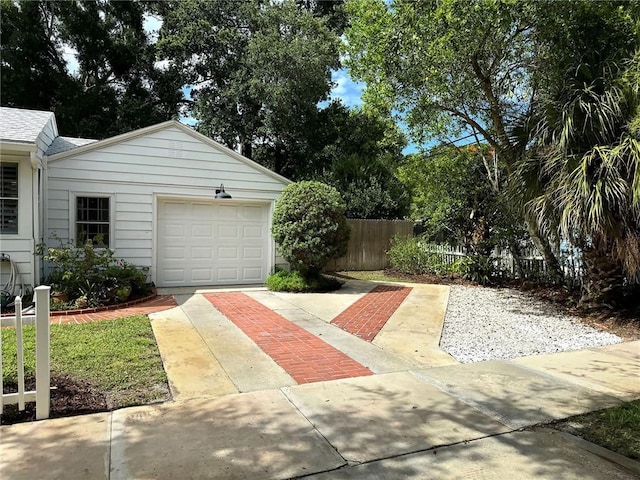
68 397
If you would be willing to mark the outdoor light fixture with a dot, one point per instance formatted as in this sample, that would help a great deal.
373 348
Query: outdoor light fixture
220 193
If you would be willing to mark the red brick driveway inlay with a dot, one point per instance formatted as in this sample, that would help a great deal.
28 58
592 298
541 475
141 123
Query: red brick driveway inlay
157 304
302 355
366 317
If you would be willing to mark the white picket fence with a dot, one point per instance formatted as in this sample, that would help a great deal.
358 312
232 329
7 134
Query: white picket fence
533 264
42 394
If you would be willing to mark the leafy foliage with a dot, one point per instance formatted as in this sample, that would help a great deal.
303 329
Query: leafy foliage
91 276
411 255
588 162
254 83
310 226
489 69
117 86
283 281
359 153
478 268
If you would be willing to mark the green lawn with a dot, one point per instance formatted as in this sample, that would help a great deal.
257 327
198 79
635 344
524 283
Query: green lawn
119 358
616 428
372 276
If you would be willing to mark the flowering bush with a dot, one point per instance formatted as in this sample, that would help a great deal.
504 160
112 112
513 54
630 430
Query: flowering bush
90 276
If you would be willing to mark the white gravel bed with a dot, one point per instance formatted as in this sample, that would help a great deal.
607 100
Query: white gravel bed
489 324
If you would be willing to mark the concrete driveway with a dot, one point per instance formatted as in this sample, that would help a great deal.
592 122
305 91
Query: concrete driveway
248 403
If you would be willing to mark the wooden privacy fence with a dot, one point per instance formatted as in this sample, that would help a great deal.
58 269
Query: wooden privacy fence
42 393
368 244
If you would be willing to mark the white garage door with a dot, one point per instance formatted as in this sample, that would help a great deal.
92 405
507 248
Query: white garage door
209 243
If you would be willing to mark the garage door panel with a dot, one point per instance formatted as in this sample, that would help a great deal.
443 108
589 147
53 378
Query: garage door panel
174 275
228 275
173 230
228 253
202 230
255 274
228 212
252 253
174 209
228 232
255 214
202 254
204 275
174 253
204 243
253 231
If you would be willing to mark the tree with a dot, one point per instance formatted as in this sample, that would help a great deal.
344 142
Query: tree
482 67
258 71
588 159
359 153
117 86
310 227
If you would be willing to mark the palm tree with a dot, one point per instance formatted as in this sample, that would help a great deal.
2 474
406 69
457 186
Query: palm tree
588 162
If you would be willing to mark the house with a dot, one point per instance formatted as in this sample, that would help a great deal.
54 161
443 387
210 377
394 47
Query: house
150 194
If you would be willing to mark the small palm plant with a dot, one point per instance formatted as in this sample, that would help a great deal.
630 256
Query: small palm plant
588 159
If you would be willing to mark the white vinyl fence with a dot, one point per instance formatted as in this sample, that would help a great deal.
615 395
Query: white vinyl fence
533 264
41 395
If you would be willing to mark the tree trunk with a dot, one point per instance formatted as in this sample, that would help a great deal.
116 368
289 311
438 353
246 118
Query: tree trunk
517 257
604 280
246 149
544 246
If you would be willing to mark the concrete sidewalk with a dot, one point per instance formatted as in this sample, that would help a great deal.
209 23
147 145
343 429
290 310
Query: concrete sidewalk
237 414
460 421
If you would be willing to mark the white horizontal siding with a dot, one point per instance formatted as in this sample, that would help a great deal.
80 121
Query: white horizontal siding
22 253
47 136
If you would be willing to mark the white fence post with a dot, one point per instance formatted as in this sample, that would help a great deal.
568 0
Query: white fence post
43 348
20 353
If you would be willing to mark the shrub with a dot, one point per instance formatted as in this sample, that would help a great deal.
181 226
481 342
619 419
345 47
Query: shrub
479 268
294 282
310 226
410 255
90 276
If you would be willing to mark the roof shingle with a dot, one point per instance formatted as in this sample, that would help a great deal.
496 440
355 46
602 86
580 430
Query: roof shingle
64 144
21 125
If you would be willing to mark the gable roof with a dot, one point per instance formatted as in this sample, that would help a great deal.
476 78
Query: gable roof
19 125
65 144
161 126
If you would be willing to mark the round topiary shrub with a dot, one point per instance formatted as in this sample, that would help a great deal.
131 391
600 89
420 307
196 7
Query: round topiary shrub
310 226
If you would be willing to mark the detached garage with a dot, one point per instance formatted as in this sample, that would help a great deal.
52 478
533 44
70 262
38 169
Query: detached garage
151 194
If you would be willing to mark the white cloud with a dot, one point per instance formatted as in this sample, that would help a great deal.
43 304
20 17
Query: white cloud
347 90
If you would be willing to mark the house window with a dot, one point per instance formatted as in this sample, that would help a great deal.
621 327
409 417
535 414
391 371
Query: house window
9 198
93 220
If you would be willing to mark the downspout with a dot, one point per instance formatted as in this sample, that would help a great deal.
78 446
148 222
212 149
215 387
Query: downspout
44 202
37 218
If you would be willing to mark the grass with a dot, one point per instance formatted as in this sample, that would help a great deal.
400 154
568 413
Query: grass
118 357
616 428
284 281
372 276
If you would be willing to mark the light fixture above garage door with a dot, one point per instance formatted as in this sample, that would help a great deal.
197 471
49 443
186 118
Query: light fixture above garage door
220 193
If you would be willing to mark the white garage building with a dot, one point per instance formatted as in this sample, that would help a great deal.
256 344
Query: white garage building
151 195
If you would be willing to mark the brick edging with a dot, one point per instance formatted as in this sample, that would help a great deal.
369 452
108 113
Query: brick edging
119 306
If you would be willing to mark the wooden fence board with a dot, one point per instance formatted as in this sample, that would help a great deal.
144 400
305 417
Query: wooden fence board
368 244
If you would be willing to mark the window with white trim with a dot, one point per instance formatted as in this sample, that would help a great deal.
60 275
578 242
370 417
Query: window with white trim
93 220
9 198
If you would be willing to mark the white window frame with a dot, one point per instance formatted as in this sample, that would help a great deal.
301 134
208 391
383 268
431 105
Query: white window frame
73 217
18 177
